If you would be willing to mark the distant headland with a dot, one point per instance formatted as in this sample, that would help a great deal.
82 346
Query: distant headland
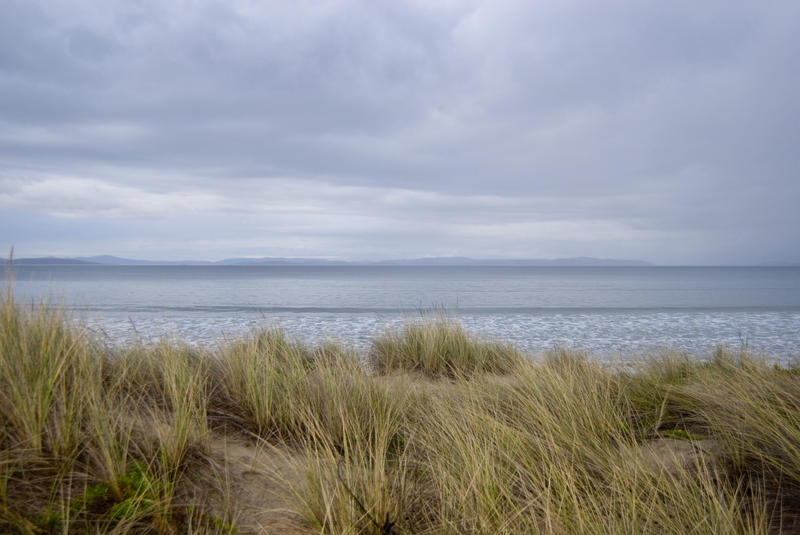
267 261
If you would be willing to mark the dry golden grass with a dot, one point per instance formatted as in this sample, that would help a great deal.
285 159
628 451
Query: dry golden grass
440 348
444 434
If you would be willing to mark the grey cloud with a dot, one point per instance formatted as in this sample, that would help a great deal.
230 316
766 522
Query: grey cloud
669 122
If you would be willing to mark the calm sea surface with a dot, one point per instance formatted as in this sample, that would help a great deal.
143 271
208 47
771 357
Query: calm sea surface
608 311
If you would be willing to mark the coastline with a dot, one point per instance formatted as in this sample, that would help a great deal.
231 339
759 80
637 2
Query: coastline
609 312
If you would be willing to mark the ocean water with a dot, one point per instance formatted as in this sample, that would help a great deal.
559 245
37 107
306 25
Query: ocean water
608 311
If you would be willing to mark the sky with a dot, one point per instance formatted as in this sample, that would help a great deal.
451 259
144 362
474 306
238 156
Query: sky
170 129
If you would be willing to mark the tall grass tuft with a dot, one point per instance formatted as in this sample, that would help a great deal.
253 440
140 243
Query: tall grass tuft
91 441
45 370
357 430
440 348
257 383
752 409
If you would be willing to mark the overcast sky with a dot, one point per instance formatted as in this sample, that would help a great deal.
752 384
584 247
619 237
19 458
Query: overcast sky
663 131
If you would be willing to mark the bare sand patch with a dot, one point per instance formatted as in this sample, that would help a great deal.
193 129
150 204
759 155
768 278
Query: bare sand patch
251 485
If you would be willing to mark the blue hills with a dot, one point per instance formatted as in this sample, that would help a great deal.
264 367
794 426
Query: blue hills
426 261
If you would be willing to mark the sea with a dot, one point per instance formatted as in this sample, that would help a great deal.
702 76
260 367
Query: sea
609 312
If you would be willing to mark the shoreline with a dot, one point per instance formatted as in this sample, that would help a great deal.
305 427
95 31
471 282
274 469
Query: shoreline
687 310
533 336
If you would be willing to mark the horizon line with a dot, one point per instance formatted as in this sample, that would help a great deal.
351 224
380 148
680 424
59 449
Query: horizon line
243 260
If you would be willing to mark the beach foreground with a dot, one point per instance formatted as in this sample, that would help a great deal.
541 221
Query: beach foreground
431 431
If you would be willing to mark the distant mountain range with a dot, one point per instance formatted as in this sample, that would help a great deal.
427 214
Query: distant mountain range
464 261
272 261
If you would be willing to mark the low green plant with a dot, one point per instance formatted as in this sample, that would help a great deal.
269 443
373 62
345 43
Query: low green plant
48 521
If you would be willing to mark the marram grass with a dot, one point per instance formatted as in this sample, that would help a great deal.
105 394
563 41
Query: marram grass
440 348
431 432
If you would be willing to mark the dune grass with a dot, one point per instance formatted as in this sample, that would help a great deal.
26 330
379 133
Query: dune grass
440 348
432 431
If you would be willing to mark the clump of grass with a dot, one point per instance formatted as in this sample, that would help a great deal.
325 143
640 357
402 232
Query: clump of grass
357 433
651 386
440 348
753 410
46 369
91 441
553 450
259 381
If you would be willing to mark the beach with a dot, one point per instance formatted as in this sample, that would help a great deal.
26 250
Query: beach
610 312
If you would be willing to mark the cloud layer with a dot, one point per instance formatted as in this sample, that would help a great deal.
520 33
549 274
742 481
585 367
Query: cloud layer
342 129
